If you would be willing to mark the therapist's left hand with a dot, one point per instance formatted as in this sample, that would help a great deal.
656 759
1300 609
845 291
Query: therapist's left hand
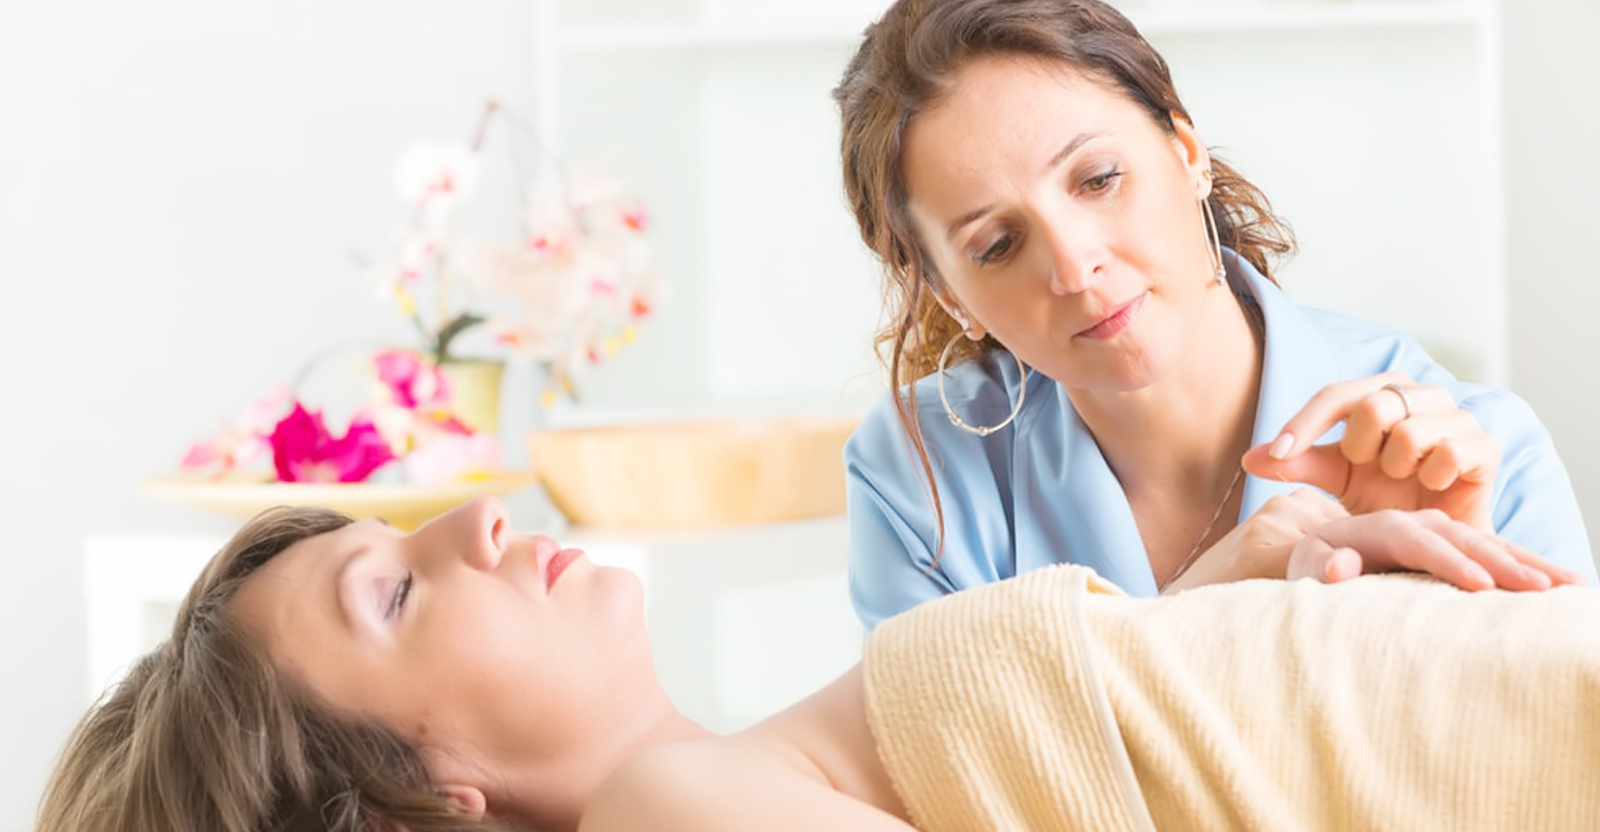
1421 541
1405 446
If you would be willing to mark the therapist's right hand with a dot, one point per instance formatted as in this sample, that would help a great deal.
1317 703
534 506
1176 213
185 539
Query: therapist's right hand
1405 446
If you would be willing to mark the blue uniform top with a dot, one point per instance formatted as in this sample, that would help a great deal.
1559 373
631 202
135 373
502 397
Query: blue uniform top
1040 492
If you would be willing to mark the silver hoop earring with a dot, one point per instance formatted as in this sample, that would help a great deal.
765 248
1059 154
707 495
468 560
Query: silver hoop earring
1219 269
980 430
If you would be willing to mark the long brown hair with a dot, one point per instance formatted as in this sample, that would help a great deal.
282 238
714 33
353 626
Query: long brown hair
906 63
205 735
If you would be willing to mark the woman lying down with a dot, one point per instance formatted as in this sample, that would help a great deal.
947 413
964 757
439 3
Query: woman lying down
324 674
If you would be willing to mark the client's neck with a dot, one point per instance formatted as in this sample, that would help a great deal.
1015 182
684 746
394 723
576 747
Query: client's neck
543 795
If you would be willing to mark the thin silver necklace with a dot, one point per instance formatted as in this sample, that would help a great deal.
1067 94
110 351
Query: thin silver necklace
1188 560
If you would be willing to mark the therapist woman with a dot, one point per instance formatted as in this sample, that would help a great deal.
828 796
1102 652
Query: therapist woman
1091 360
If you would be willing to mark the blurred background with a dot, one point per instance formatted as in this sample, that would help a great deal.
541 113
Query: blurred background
183 185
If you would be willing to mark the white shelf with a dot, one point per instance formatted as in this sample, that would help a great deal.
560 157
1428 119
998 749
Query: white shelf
707 93
711 35
1353 15
1226 19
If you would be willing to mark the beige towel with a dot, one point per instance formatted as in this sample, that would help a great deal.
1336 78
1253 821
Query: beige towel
1054 702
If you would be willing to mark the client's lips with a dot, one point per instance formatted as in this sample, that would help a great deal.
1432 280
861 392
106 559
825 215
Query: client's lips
1116 322
559 564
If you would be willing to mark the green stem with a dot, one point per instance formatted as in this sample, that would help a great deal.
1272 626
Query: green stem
460 324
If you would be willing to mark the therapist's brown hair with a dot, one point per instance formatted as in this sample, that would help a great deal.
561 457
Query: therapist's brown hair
906 64
205 735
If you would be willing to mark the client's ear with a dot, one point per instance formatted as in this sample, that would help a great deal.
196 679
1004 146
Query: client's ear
467 800
451 775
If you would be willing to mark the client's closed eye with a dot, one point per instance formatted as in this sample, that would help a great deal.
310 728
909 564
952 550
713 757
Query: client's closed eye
397 599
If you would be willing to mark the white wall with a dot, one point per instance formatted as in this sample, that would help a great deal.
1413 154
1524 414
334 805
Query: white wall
181 185
1552 152
181 182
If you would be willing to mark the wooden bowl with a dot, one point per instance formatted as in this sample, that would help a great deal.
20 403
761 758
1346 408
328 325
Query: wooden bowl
695 474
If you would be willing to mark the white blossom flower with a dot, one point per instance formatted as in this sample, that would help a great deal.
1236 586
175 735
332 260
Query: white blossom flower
436 178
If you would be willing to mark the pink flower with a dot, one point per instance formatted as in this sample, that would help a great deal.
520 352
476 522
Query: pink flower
414 383
452 457
419 399
244 439
304 451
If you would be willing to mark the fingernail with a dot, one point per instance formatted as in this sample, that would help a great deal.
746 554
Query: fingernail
1479 576
1281 446
1537 578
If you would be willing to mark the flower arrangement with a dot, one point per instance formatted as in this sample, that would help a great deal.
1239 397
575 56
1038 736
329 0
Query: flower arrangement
407 429
567 289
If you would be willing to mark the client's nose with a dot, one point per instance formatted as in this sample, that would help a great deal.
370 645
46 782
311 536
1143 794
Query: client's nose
477 530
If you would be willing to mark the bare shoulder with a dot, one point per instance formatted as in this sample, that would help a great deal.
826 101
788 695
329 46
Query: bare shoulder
730 783
828 735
